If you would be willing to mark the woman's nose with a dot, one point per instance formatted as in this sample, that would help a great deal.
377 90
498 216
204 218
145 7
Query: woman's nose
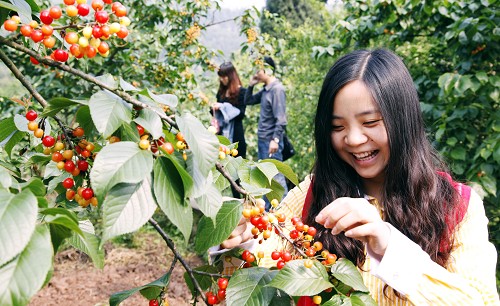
355 137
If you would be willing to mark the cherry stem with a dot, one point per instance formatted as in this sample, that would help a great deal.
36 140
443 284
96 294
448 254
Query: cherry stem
226 174
38 97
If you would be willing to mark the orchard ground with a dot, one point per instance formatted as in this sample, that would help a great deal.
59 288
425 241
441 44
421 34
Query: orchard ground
77 282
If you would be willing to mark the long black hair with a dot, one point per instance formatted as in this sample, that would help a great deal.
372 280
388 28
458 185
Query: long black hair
232 89
417 200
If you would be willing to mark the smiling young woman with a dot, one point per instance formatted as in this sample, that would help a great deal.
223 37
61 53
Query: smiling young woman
380 196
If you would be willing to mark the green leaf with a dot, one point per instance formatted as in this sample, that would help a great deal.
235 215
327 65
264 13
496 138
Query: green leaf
55 105
151 122
210 200
108 112
306 281
225 222
18 215
119 297
88 243
120 162
458 153
277 191
109 80
489 184
21 278
127 86
24 9
21 123
346 272
61 216
169 191
336 300
249 287
204 146
7 128
285 169
204 281
364 299
5 178
8 6
85 120
12 141
58 234
268 169
126 208
36 186
166 99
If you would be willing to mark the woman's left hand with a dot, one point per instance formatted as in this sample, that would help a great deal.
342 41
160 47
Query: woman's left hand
359 220
216 105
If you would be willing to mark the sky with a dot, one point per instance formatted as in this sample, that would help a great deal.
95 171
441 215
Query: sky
239 4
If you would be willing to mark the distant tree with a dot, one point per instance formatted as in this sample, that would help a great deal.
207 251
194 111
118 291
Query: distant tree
296 12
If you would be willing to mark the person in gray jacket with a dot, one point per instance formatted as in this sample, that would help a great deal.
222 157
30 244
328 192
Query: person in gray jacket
272 120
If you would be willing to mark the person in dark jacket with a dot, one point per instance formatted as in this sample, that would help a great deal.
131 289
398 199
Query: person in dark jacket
231 91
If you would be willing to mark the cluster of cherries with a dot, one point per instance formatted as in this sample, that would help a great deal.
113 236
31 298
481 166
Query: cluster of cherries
148 143
225 151
74 161
302 237
215 298
85 39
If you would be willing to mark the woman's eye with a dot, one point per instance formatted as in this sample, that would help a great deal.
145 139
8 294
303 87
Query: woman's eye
337 128
371 122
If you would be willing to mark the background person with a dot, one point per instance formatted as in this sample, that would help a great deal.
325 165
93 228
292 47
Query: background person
231 91
380 196
272 119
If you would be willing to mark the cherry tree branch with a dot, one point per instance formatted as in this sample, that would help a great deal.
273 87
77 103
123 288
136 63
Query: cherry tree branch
18 74
87 77
178 256
233 183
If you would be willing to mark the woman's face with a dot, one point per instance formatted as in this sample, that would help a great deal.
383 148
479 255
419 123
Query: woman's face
358 132
224 80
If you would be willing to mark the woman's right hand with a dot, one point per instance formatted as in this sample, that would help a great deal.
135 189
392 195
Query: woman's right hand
242 233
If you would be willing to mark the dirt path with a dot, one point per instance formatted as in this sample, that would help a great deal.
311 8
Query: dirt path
77 282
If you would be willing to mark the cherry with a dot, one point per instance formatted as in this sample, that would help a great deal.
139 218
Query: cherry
83 9
294 234
212 299
96 31
101 16
48 141
222 283
221 294
83 165
71 37
87 193
97 5
70 194
69 166
34 61
71 10
317 299
68 183
78 132
45 17
103 47
57 157
245 254
69 2
308 263
26 30
179 136
311 231
55 12
286 256
61 55
140 129
10 25
276 255
310 252
115 5
37 36
31 115
280 264
122 33
153 303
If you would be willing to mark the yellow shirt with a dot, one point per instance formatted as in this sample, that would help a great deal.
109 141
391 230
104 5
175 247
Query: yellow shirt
469 278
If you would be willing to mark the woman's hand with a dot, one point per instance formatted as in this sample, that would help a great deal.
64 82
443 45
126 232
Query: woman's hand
216 106
359 220
242 233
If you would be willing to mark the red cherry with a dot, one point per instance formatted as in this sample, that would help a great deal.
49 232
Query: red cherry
45 17
140 129
212 299
69 166
108 1
10 25
276 255
83 9
31 115
34 61
87 193
96 31
286 256
280 264
83 165
153 303
26 30
294 234
122 33
37 36
120 11
168 147
68 183
115 5
97 5
48 141
311 231
61 55
90 51
101 16
103 47
221 294
245 254
222 283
